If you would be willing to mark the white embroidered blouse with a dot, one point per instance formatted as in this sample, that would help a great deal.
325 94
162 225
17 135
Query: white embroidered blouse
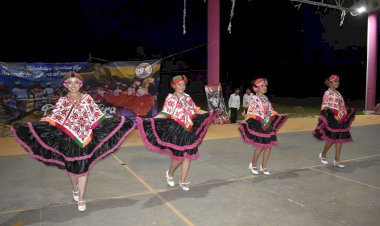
335 101
260 109
76 119
181 109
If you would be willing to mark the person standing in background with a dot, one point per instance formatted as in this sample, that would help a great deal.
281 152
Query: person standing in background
248 94
234 104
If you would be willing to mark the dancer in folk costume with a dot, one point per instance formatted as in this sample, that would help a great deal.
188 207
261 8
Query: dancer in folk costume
177 130
334 121
260 125
74 136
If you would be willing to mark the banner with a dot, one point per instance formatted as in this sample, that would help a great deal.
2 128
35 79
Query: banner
129 86
215 100
28 91
28 87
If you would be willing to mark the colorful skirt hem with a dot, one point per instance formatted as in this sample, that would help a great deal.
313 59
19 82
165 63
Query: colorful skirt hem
253 132
330 129
164 135
53 147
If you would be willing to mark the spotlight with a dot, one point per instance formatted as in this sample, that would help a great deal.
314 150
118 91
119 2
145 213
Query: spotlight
365 6
358 10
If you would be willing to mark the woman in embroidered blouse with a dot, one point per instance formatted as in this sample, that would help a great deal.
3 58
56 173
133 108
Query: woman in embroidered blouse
334 121
74 136
177 130
260 125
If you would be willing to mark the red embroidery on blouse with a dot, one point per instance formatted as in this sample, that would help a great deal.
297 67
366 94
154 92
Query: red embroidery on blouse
181 109
260 108
76 119
334 100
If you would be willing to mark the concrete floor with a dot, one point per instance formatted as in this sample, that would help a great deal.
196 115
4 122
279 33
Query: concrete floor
129 187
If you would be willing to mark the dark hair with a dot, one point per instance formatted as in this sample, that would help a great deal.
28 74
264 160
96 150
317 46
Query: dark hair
327 82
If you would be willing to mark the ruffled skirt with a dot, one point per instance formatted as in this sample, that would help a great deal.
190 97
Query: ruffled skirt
164 135
330 129
253 132
53 147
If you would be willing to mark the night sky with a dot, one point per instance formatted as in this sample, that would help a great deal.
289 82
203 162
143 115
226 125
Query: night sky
295 49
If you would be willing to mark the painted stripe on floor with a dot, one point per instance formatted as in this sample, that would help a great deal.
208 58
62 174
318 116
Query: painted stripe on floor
154 192
347 179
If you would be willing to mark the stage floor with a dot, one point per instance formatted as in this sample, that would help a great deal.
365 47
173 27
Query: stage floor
129 187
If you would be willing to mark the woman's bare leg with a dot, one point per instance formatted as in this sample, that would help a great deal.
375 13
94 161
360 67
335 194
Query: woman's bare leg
326 148
338 148
173 166
256 156
266 157
82 183
74 183
185 169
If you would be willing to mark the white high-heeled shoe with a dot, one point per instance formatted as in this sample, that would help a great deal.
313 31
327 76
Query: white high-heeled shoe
323 160
253 169
264 170
76 196
82 207
169 179
337 164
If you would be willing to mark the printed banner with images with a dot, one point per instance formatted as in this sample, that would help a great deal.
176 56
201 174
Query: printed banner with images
129 86
28 91
215 100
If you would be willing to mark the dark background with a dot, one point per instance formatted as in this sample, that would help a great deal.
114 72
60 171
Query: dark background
295 49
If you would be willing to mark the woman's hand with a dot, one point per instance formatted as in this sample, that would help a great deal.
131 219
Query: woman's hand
160 116
201 112
243 121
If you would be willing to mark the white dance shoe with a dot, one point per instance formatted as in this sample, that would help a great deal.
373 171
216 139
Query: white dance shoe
169 179
81 206
253 169
323 160
185 186
264 170
337 164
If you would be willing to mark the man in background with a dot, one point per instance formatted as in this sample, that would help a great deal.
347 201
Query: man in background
234 104
248 94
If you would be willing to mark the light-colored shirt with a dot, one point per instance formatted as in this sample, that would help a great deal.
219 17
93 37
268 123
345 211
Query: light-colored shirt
246 98
234 101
